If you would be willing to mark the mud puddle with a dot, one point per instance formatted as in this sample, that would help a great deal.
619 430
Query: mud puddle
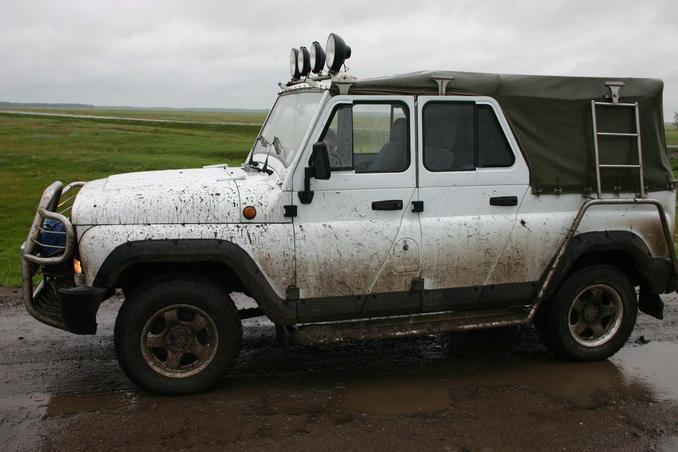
490 390
641 373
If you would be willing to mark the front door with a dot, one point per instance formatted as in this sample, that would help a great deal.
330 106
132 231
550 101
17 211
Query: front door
358 236
472 180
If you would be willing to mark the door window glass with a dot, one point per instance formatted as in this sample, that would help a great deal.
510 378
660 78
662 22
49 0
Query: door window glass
460 136
368 138
449 143
493 148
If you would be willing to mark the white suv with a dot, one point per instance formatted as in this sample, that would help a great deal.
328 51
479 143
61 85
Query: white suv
415 204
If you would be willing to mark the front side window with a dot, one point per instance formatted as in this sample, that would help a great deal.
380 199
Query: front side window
463 136
368 138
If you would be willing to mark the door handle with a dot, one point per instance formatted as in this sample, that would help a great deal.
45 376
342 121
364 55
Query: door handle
504 201
392 204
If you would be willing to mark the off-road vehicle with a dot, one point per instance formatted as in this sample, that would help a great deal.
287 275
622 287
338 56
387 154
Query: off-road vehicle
414 204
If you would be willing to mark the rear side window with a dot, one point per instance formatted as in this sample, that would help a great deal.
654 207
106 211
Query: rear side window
463 136
449 143
493 148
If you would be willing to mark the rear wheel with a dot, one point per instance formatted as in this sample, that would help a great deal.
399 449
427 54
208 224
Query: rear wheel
591 316
177 335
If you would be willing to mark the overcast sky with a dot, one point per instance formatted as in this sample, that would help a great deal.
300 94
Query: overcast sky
231 54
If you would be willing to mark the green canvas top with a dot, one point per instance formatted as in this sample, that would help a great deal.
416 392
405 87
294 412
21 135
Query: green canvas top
552 122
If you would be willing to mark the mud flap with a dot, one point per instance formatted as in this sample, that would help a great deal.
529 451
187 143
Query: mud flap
650 303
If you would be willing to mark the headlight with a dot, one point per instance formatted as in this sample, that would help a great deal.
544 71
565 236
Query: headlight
317 57
303 61
337 53
293 64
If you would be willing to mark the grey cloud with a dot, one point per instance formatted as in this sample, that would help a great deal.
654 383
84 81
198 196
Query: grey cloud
231 54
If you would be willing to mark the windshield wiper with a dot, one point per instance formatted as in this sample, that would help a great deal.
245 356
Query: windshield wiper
277 145
251 163
263 141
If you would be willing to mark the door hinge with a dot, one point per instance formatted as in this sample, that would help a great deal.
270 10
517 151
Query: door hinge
417 206
290 210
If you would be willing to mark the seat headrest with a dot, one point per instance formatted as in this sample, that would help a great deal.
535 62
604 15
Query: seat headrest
399 130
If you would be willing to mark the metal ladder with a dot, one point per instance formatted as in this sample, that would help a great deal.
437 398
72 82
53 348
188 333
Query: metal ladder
614 88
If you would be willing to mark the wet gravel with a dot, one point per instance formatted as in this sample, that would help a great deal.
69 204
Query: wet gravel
488 390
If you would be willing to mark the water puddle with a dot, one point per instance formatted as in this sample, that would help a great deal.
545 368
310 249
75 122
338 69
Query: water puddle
70 404
396 396
654 364
641 373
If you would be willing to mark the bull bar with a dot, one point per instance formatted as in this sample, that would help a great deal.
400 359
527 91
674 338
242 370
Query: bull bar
57 301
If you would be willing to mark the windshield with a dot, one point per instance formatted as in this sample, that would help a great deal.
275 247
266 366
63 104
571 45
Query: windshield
286 125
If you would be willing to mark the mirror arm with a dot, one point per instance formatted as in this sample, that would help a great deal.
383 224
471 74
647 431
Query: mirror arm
306 196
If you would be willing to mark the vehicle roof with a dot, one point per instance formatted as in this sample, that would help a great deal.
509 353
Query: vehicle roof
552 121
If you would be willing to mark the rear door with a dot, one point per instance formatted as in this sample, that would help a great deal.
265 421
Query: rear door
472 179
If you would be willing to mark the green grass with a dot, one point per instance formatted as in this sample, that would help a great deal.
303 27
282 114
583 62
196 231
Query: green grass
34 151
672 136
244 117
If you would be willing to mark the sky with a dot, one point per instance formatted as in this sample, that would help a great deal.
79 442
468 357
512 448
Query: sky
231 54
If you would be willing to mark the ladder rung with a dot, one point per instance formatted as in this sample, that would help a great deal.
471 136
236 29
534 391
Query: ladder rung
618 166
616 134
610 104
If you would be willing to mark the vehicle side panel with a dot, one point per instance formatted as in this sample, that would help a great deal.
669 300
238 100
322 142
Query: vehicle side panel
271 246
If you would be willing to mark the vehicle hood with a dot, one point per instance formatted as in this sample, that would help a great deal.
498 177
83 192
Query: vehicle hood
188 196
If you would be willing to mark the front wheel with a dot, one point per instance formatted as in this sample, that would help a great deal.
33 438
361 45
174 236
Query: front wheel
177 335
591 316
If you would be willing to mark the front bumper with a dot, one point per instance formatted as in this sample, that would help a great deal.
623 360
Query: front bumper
57 301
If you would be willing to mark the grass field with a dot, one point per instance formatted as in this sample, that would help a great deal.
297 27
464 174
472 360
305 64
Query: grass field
672 136
238 117
34 151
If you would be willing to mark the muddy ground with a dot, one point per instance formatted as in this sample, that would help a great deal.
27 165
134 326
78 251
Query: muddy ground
491 390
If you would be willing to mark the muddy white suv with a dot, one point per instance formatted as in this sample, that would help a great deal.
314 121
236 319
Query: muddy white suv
405 205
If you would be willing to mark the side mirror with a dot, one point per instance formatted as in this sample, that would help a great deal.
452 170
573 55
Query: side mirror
318 167
320 161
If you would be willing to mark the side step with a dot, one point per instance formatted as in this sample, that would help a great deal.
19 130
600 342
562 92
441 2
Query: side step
407 326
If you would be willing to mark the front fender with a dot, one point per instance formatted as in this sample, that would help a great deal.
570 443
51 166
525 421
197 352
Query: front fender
235 257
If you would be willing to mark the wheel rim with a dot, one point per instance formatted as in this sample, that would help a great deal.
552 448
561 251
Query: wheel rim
179 341
595 315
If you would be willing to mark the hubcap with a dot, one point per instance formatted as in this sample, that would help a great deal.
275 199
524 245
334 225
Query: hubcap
595 315
179 341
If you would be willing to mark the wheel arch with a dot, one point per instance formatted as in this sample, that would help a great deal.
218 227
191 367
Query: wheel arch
225 263
622 249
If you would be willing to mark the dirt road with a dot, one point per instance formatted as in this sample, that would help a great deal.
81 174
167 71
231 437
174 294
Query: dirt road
493 390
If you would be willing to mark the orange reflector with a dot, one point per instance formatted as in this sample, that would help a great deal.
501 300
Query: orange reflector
76 266
249 212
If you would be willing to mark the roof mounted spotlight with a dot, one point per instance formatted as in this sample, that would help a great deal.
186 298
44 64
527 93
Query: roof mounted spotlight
303 61
337 53
317 57
294 72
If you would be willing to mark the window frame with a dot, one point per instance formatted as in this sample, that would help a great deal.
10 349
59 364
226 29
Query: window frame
406 111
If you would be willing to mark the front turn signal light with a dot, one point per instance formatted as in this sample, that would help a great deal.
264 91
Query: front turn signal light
77 267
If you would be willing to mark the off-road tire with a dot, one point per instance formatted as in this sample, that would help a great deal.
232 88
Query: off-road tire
554 321
195 293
